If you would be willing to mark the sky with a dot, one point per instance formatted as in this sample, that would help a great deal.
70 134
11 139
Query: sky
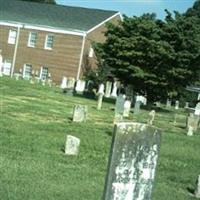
133 7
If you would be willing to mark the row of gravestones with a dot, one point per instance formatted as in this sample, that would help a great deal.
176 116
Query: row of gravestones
69 84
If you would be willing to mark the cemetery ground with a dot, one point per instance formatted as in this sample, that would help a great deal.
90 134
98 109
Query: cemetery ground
34 122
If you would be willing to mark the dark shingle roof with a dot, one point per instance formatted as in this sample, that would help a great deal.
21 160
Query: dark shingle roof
48 15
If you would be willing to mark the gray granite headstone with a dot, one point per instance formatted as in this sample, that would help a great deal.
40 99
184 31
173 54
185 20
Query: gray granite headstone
127 107
129 92
133 160
192 122
168 103
79 113
151 117
108 89
186 105
177 105
119 106
137 107
72 145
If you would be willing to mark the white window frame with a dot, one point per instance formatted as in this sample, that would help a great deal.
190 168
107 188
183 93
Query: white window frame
24 71
41 71
30 39
46 42
12 38
4 64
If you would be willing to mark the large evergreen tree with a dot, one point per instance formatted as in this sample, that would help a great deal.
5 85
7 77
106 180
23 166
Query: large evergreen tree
157 57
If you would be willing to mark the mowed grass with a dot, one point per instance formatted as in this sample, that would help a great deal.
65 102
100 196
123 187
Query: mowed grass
34 122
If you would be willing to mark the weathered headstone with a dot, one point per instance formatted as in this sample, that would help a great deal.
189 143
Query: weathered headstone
186 105
72 145
64 83
119 107
114 90
197 109
80 86
49 82
177 105
129 92
127 107
137 105
108 89
133 160
151 117
100 96
197 189
192 123
168 103
70 86
80 113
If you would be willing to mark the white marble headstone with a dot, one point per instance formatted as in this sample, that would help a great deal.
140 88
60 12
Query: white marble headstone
72 145
64 83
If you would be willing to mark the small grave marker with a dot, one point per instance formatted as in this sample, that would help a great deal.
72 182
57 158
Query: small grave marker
108 89
168 103
114 90
72 145
79 113
176 105
151 117
100 96
133 160
119 107
127 107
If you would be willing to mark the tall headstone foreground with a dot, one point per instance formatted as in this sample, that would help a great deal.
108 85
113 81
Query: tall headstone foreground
133 160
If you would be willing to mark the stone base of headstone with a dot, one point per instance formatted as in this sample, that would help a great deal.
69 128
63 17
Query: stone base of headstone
132 164
72 145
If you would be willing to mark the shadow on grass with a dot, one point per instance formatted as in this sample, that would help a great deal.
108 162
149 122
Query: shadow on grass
190 191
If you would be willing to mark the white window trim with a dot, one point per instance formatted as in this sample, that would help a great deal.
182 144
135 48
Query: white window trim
29 40
46 39
9 38
4 63
24 69
41 69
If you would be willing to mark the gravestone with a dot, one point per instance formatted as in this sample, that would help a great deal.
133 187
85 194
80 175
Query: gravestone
151 117
197 189
72 145
70 86
168 103
80 113
49 82
186 105
80 86
119 107
64 83
129 92
32 80
192 123
176 105
197 109
114 90
127 107
137 105
100 96
198 98
108 89
132 164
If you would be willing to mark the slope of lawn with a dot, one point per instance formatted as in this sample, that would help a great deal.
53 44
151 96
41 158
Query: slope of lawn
34 122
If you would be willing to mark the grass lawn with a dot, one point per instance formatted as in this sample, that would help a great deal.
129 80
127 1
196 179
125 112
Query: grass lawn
34 122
